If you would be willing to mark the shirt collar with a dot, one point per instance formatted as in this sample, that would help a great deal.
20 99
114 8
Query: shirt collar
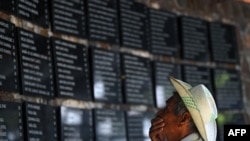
192 137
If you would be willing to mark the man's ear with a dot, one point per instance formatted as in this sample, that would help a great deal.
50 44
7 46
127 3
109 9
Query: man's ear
184 118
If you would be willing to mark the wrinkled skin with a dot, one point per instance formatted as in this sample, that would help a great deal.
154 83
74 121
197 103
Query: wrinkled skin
167 126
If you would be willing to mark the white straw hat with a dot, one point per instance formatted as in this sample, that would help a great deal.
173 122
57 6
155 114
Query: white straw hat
201 105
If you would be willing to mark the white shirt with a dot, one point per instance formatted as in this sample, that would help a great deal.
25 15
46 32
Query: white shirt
192 137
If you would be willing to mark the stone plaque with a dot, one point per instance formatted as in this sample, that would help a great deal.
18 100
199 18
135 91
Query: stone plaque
69 17
9 80
35 64
11 122
35 11
76 124
71 69
194 39
133 24
109 125
195 75
138 125
227 85
40 122
137 83
106 75
163 88
163 29
103 21
223 43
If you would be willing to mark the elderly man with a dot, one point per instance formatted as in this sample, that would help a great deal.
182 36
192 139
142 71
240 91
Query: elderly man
189 115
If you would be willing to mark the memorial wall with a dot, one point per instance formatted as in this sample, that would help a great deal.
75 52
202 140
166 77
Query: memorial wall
98 69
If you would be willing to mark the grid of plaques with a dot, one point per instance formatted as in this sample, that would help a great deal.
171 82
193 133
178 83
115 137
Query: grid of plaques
8 6
71 69
34 11
163 89
106 75
109 125
68 17
36 65
163 29
196 75
8 58
133 24
138 125
137 85
40 122
223 43
11 123
227 85
75 124
103 21
194 39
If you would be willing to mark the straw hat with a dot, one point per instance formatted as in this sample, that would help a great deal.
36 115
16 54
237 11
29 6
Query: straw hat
201 105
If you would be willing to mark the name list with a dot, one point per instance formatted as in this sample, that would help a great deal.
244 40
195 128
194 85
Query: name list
194 39
228 89
163 33
71 67
103 21
39 126
106 75
163 87
138 124
36 64
76 124
133 19
35 11
223 43
110 125
69 17
11 127
8 58
138 80
197 75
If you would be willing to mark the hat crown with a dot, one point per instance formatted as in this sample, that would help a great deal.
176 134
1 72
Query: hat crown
204 102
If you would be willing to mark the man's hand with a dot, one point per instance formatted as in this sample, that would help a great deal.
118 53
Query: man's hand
156 129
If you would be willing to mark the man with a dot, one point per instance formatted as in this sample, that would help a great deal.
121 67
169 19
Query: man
188 116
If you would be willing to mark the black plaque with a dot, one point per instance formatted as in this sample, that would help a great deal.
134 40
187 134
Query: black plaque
71 69
40 122
138 125
195 75
109 125
163 88
133 24
227 85
163 28
194 39
76 124
35 11
106 75
11 123
8 6
223 40
68 17
137 82
35 64
103 21
8 58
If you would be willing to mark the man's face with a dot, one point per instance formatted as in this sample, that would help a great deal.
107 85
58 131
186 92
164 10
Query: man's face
168 119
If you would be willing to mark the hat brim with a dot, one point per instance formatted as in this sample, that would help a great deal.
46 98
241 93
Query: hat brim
183 90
